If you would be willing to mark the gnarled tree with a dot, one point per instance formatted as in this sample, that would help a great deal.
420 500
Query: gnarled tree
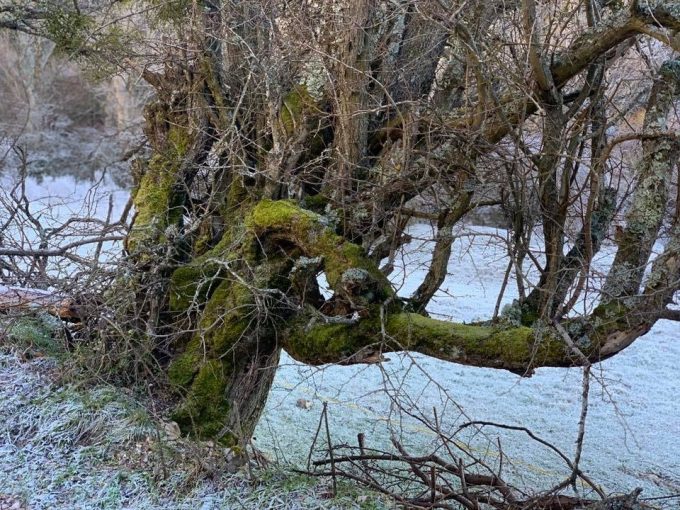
291 139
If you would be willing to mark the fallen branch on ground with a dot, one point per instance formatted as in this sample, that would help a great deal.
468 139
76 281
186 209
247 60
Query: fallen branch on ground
19 298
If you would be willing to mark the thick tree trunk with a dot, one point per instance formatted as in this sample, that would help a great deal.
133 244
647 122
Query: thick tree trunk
648 207
231 275
260 307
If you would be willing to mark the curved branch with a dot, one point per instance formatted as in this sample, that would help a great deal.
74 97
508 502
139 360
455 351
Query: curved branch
441 253
513 109
380 324
517 349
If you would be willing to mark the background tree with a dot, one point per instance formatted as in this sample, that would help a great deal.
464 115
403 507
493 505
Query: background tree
293 139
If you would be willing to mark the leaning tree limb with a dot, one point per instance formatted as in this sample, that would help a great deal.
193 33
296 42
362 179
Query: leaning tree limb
362 292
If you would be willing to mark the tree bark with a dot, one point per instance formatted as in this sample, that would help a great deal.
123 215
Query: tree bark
19 299
251 290
648 208
228 270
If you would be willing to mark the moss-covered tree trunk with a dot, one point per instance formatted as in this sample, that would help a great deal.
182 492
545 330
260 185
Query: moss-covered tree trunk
263 176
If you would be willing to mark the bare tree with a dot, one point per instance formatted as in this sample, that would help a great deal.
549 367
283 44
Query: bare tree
294 139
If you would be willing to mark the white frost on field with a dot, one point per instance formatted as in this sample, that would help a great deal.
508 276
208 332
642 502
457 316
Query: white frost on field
633 427
61 209
55 199
633 434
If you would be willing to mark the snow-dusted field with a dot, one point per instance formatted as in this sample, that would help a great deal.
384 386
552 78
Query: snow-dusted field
51 203
633 429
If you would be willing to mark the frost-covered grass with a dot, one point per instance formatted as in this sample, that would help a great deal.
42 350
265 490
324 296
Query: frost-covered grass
632 430
633 427
64 447
33 333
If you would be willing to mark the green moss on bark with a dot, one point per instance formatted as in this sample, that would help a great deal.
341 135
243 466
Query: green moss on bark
205 368
223 322
316 203
311 233
154 191
462 342
296 105
330 343
204 410
302 113
612 316
183 368
156 200
513 348
192 284
282 215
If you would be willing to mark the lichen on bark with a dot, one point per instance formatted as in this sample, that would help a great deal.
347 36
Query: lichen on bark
650 197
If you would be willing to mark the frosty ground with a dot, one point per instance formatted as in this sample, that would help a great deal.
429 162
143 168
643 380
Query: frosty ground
632 429
631 439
